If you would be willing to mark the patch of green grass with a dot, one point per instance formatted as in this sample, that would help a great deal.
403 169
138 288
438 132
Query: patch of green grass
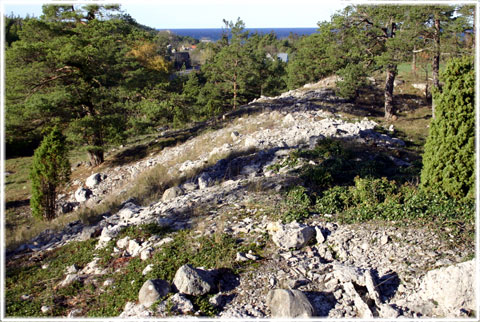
127 284
26 277
29 278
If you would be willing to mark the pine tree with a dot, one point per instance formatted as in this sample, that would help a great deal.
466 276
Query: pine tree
449 159
49 172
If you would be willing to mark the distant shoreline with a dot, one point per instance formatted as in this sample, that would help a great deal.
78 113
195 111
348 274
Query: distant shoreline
214 34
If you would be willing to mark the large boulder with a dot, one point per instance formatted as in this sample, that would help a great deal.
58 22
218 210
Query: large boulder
292 235
193 281
94 180
171 193
204 180
83 194
289 304
153 290
451 288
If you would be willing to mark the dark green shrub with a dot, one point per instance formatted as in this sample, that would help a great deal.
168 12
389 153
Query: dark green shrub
334 200
370 191
353 79
50 171
298 203
449 159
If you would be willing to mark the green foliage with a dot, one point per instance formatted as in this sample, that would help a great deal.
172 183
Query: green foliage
202 252
71 67
380 199
449 159
202 304
370 191
315 57
39 283
50 171
334 200
297 202
353 79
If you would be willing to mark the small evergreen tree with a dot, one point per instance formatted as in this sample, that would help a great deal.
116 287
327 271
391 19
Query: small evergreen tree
449 159
50 170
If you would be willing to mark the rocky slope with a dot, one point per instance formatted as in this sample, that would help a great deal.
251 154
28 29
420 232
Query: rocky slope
319 268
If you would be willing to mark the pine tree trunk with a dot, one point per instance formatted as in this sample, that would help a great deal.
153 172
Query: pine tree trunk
414 61
235 92
96 157
436 63
436 56
389 84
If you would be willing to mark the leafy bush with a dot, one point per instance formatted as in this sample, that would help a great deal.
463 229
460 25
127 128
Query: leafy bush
353 78
50 171
449 159
381 199
369 191
334 200
298 203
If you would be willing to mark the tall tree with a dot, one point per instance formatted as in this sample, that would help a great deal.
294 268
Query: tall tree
78 67
316 57
379 35
50 171
449 159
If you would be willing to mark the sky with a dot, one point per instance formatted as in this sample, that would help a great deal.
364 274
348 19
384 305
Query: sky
174 14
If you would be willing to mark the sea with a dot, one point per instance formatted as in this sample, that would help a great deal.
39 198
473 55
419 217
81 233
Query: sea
214 34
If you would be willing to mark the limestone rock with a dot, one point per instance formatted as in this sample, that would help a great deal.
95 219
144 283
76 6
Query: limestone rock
133 248
123 243
289 304
181 304
319 235
153 290
204 181
193 281
171 193
292 235
69 279
452 287
45 309
250 143
94 180
83 194
137 311
363 310
128 210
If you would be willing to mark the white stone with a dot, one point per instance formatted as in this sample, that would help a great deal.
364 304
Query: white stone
171 193
82 194
45 309
69 279
153 290
193 281
292 235
181 304
289 304
452 287
93 180
123 243
145 254
319 235
147 269
72 269
133 248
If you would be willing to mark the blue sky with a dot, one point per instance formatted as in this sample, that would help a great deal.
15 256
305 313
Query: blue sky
210 13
